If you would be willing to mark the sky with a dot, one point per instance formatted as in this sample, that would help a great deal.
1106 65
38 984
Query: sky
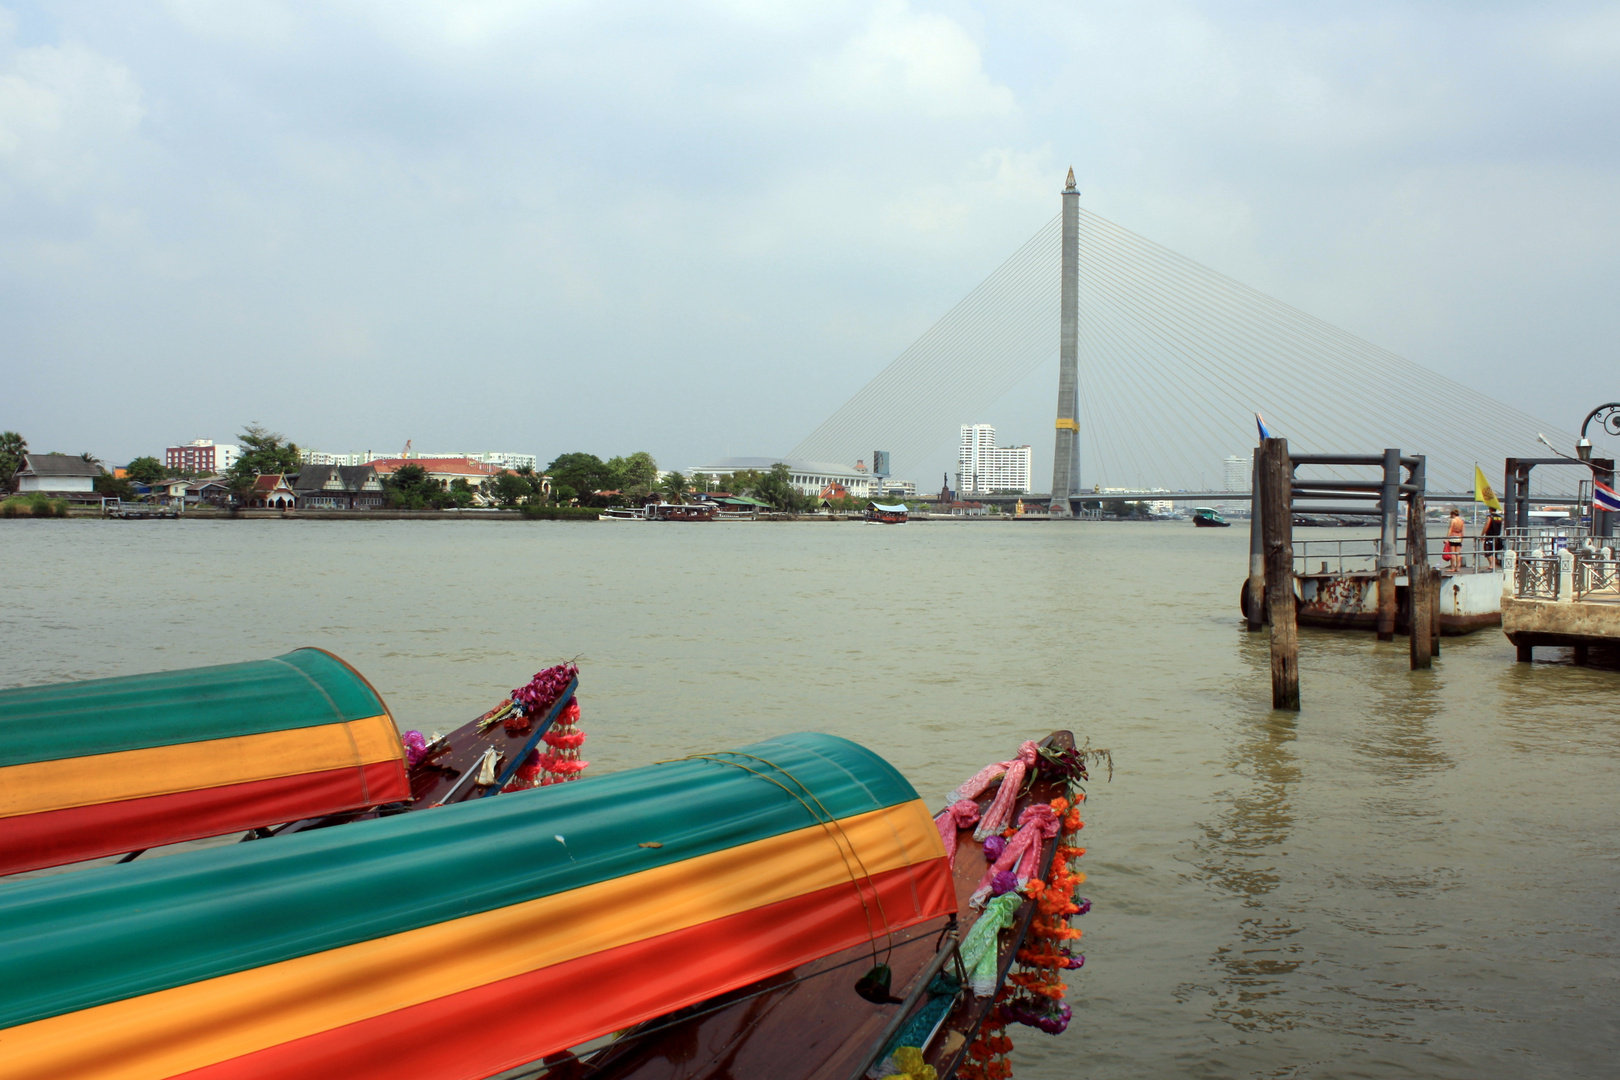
697 229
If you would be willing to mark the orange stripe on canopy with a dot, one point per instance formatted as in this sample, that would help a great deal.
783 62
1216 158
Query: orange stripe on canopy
40 786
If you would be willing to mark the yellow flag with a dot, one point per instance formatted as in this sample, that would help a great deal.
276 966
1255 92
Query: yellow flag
1483 492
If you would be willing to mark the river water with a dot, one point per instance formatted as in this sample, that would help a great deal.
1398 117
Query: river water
1414 876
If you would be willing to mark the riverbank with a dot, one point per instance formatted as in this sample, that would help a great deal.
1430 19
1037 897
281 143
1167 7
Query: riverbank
558 513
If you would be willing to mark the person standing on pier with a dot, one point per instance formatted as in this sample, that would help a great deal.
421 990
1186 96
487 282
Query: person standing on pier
1491 540
1454 537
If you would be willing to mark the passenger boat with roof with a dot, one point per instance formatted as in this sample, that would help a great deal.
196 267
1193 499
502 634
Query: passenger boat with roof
1206 517
887 514
787 909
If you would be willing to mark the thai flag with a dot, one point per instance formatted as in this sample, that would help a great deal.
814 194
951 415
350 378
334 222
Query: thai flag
1265 432
1604 498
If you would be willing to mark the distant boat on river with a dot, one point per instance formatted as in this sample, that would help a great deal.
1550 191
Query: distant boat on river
887 514
1205 517
661 512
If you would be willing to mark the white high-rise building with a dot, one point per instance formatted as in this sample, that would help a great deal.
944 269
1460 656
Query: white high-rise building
983 467
1237 473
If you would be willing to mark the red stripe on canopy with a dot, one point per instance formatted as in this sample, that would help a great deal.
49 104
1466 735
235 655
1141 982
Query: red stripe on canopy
479 1032
56 837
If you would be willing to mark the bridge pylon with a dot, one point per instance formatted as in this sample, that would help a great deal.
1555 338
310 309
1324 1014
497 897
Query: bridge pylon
1066 450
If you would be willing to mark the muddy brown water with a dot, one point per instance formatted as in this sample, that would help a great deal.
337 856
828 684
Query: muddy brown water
1414 876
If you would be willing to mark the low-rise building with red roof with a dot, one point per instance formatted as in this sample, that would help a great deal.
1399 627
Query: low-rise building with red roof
446 469
270 491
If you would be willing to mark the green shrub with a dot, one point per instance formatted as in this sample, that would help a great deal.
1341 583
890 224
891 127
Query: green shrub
34 504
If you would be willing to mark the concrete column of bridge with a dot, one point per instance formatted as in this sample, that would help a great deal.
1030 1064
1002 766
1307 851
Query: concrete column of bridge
1066 448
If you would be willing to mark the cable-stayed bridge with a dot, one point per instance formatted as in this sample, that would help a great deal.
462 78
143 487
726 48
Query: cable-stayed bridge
1172 362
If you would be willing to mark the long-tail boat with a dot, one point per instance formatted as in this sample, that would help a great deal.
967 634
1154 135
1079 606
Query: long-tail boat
788 909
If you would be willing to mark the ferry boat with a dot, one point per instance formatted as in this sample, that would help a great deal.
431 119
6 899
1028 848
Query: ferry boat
788 909
1205 517
883 514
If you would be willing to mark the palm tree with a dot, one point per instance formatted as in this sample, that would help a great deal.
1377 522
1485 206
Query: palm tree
674 486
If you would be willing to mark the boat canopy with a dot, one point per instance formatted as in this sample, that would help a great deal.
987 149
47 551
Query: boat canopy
468 939
115 765
895 508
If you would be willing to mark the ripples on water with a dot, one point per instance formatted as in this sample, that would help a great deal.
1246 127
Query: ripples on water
1414 876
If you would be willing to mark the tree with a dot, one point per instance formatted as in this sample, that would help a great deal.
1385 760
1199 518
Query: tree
742 482
263 452
776 487
410 487
146 470
636 475
674 487
114 486
12 448
511 489
582 475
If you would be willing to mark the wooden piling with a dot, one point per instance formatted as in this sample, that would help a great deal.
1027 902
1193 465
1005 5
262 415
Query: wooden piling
1436 584
1273 490
1420 582
1389 497
1386 604
1254 586
1420 608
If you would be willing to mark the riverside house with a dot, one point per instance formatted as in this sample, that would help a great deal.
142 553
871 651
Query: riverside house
57 474
338 487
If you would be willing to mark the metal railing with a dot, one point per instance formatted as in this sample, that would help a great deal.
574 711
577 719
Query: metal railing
1361 556
1539 540
1596 578
1536 578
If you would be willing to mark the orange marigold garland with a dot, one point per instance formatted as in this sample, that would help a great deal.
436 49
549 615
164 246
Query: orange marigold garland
1034 993
987 1054
1038 1001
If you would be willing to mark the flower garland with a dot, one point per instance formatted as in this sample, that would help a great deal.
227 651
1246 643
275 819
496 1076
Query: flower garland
562 762
1038 1001
1034 993
908 1060
539 695
987 1054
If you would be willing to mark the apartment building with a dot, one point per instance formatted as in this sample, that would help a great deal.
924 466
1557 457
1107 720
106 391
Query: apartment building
201 457
983 467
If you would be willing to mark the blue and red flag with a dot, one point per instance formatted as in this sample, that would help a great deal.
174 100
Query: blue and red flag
1260 422
1604 498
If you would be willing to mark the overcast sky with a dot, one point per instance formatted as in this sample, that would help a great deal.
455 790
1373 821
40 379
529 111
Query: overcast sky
697 229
